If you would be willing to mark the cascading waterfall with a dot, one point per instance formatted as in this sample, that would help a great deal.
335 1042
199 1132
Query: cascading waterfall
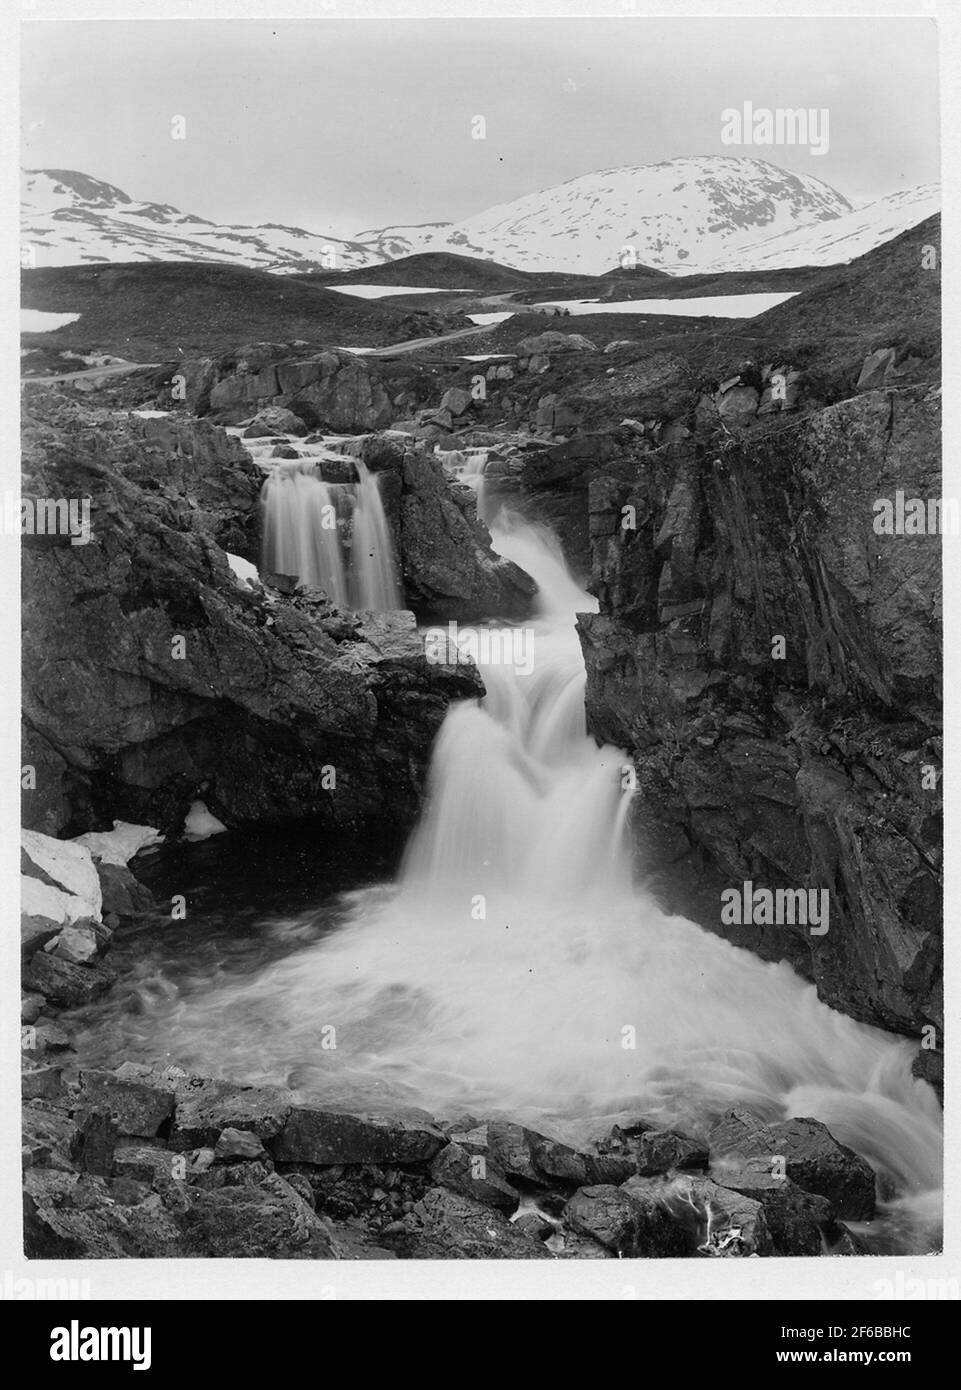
305 520
514 967
374 582
301 533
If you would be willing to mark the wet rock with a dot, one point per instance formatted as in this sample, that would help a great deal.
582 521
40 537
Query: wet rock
284 451
795 1218
510 1148
812 1158
719 1222
447 1226
469 1174
627 1219
65 983
560 1163
662 1151
332 1136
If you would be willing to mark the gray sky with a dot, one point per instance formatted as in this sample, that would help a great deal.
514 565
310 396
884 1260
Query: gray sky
339 125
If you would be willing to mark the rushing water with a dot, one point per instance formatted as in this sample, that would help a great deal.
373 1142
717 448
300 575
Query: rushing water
513 966
333 536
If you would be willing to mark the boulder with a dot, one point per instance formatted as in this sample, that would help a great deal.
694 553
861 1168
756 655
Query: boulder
274 420
445 1225
456 401
628 1220
552 343
334 1137
812 1158
64 983
136 1107
460 1171
796 1219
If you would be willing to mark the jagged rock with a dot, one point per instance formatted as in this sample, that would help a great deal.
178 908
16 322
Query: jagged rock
449 569
445 1226
760 781
333 1136
284 451
330 389
467 1173
813 1159
267 1220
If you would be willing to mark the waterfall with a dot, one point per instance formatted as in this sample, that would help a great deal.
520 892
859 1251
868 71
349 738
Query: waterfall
374 582
305 521
301 533
514 966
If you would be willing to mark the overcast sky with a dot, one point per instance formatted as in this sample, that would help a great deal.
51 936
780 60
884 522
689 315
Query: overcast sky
342 125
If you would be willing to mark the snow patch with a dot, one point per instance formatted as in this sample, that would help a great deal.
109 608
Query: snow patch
119 845
39 321
71 867
719 306
200 824
246 574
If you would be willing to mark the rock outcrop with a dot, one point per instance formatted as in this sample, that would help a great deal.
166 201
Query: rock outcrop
151 673
772 662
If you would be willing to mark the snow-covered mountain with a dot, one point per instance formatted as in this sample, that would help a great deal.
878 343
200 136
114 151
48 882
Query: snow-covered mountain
681 216
68 218
846 237
700 213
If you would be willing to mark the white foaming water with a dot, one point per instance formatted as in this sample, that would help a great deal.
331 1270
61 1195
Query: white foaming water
304 521
513 965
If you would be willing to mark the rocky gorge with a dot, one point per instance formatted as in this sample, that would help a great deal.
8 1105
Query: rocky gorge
766 660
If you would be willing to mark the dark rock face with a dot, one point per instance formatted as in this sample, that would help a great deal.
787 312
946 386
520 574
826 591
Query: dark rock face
449 569
149 673
773 665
